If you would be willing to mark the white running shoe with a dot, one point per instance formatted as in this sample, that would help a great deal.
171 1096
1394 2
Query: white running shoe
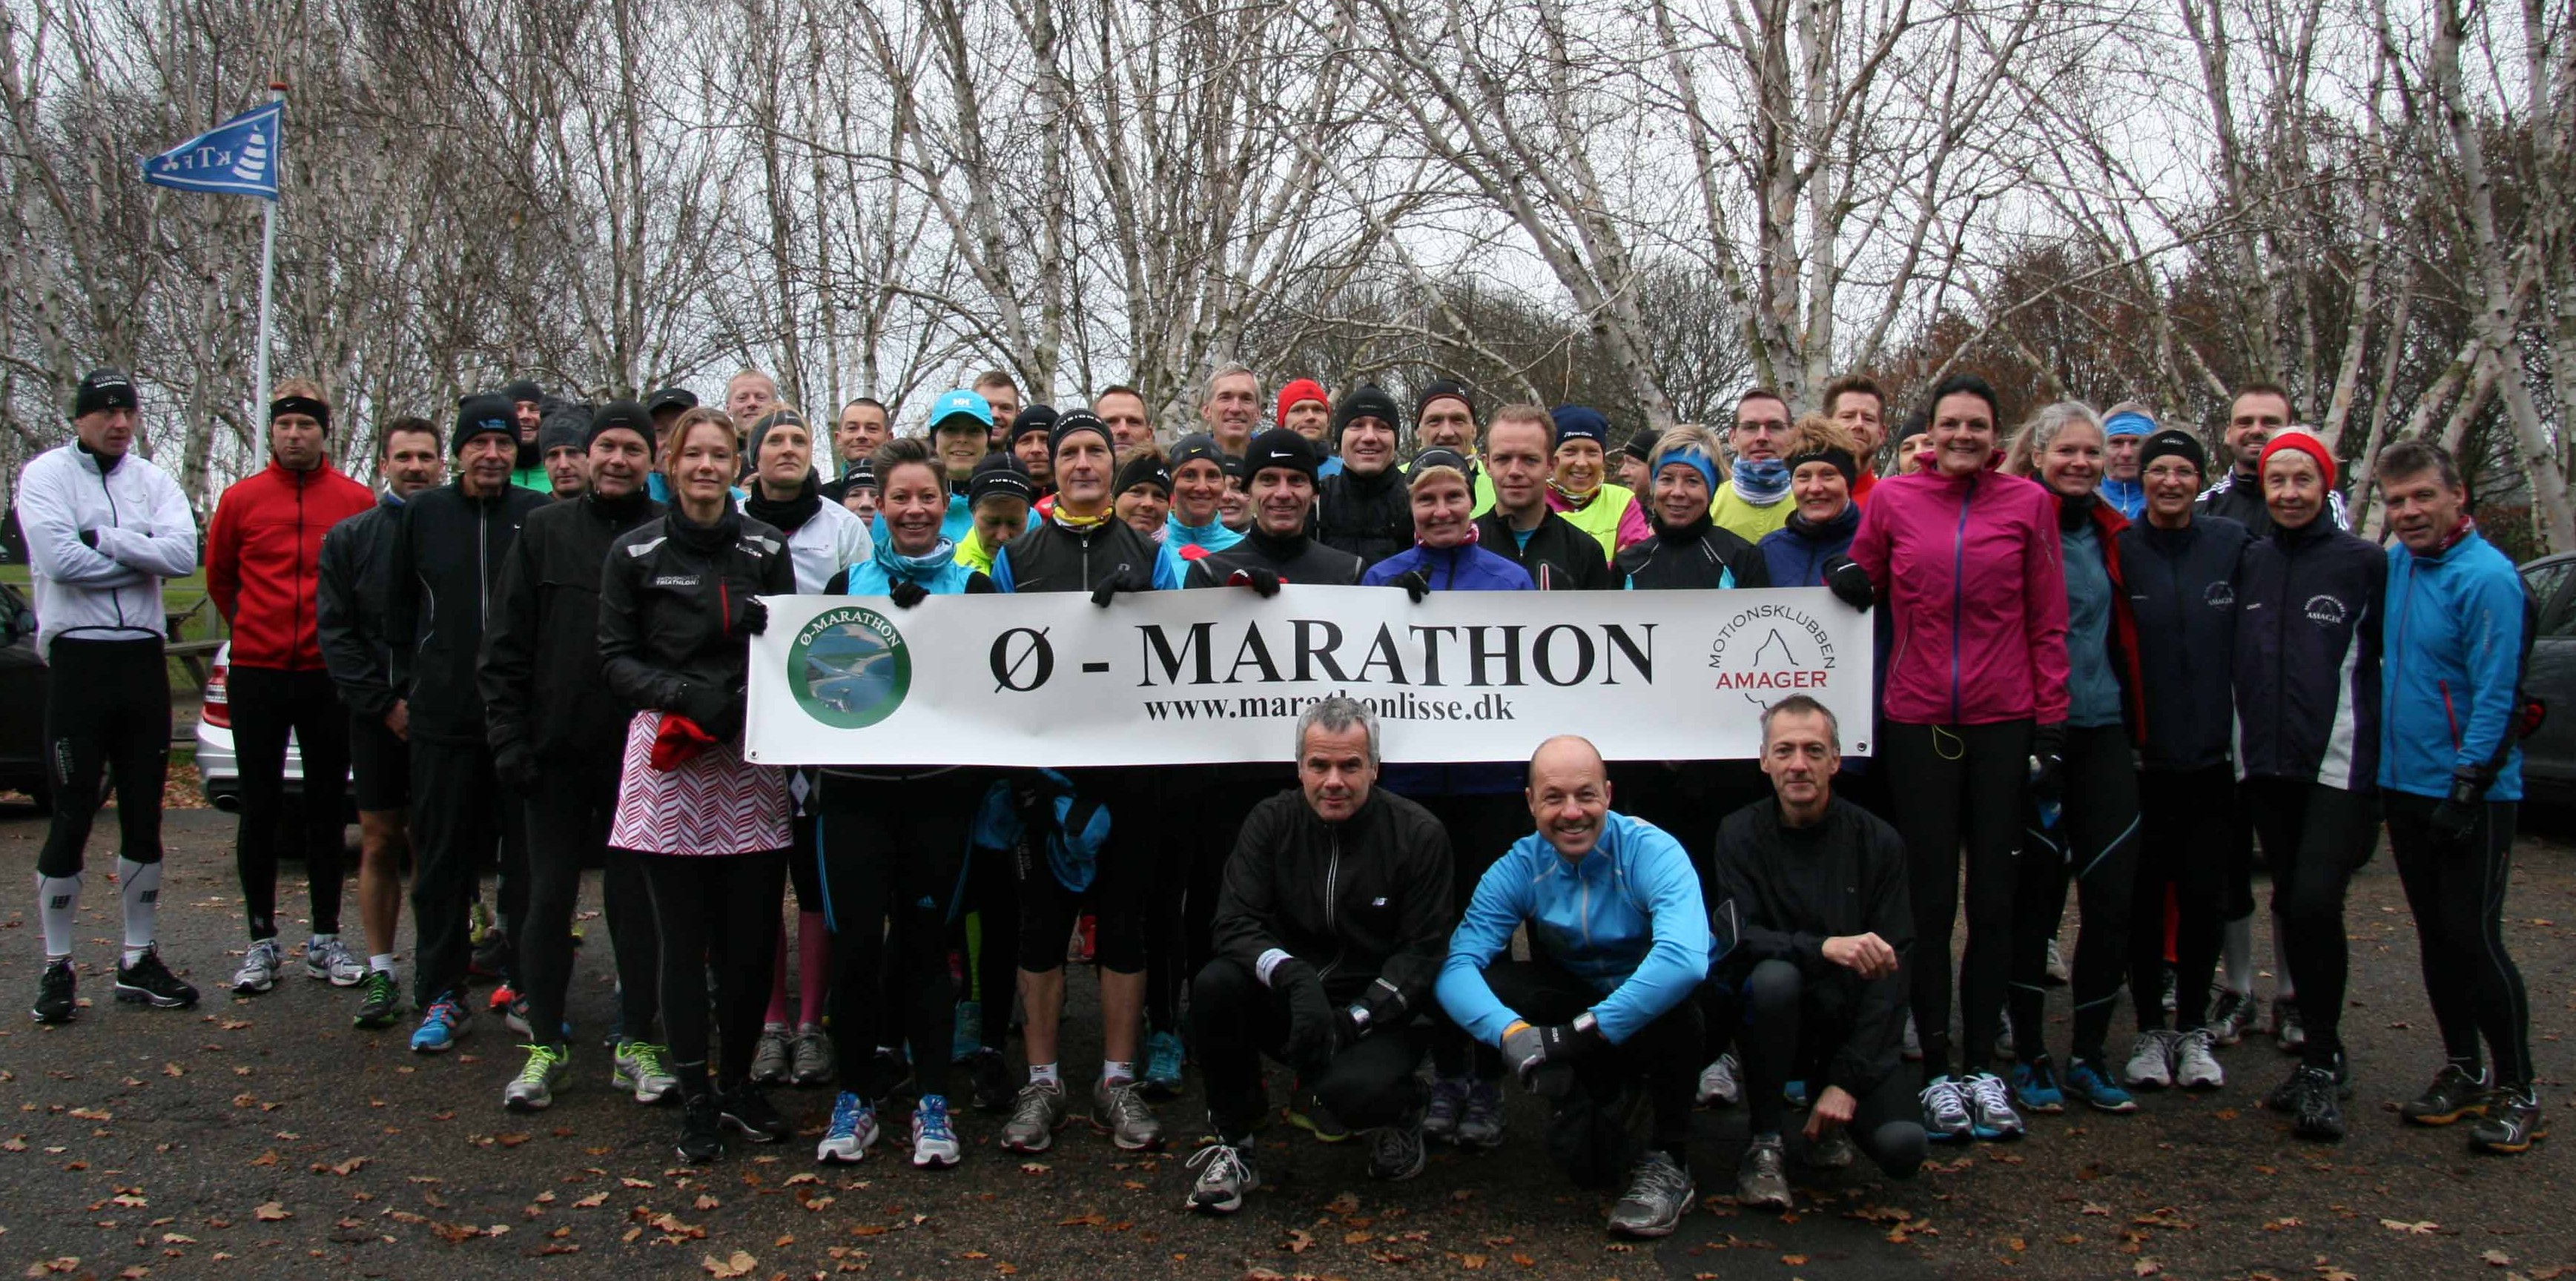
2151 1058
2195 1066
259 967
1721 1083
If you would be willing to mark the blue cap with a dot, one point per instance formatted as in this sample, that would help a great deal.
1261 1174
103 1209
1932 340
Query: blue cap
2129 424
960 404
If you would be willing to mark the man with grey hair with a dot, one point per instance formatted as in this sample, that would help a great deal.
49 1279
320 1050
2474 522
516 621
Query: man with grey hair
1232 408
1340 875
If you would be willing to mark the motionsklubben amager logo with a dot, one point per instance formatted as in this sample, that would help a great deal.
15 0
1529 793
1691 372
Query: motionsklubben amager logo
849 667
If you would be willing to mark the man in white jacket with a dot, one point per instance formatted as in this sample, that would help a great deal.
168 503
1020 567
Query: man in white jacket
104 527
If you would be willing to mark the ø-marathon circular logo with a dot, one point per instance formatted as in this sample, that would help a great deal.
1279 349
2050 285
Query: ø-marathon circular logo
849 668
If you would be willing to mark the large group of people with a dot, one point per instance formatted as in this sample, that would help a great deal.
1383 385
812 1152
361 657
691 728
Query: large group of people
2100 676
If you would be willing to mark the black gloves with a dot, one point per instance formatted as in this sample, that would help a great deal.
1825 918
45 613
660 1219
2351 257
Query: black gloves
2048 763
755 617
1263 583
727 726
1849 582
704 704
906 593
1528 1048
1125 580
1414 585
2457 814
89 539
1311 1020
1381 1006
516 767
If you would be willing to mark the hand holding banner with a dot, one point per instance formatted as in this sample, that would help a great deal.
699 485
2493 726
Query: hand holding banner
1206 677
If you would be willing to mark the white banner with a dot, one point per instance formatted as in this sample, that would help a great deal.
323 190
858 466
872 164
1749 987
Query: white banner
1220 675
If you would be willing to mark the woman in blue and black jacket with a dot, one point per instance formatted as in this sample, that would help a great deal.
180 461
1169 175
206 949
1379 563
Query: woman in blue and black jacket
2307 738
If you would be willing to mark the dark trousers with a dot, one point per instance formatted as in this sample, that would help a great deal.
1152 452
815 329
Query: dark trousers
2095 846
2456 893
993 896
719 912
1234 1020
2186 824
1959 787
1481 828
1790 1033
568 817
889 879
1207 808
1663 1055
107 714
1122 881
266 704
2314 837
460 821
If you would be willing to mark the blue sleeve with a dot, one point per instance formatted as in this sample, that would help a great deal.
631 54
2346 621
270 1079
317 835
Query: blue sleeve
1661 874
1167 569
1001 572
1497 908
2491 614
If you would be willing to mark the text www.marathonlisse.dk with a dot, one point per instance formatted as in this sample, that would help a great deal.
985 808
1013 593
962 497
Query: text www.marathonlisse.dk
1395 707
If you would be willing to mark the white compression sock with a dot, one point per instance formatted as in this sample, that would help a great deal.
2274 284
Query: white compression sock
142 885
2236 951
57 898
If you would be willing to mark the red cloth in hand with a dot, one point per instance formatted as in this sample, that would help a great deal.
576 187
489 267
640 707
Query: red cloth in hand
679 741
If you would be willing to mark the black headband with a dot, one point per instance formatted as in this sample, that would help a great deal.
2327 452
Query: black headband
1838 459
305 405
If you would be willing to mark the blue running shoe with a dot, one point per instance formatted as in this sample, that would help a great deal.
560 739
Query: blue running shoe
443 1025
1794 1093
2087 1081
853 1129
2035 1086
1163 1063
934 1140
969 1036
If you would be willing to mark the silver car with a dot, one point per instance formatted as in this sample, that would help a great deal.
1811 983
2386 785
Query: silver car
218 768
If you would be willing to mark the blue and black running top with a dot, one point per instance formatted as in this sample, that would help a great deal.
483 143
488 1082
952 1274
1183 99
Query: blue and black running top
2307 658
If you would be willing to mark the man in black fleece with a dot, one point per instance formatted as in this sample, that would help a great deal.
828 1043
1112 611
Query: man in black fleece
1364 508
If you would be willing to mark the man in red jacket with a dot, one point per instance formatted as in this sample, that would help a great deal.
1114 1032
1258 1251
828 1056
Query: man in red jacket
263 551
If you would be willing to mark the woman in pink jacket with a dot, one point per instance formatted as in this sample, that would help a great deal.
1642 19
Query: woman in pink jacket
1974 704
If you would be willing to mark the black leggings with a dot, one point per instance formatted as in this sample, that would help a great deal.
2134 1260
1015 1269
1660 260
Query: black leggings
1234 1020
1791 1033
107 713
460 817
2314 837
890 876
2457 895
568 820
1481 828
1207 806
266 704
1961 786
720 912
2095 844
1122 881
993 896
1664 1054
2187 823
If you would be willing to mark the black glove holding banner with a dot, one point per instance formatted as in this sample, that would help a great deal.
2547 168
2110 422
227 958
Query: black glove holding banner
1414 585
1264 583
1124 580
755 617
1849 582
906 593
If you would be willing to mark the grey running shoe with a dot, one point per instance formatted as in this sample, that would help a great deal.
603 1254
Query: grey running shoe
1720 1083
1396 1151
2288 1032
331 961
258 972
640 1069
2231 1016
1659 1194
770 1057
1481 1126
1912 1049
1833 1150
2195 1064
2151 1060
2058 971
1226 1172
2512 1124
1448 1102
533 1090
1035 1118
1119 1109
810 1056
1762 1177
1990 1108
1945 1112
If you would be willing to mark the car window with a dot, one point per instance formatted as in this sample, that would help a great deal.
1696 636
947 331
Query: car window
2543 581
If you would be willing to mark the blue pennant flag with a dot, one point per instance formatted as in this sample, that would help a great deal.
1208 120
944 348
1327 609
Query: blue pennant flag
238 157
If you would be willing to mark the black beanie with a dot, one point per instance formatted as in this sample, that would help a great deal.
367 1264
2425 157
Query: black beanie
679 398
1367 401
1837 458
1197 446
615 414
525 389
1442 389
2173 441
1074 420
997 475
1039 419
1280 447
774 418
104 389
1438 456
1143 469
484 413
564 426
1642 445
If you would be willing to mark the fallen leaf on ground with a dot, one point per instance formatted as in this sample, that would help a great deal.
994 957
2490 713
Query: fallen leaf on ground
2420 1228
739 1265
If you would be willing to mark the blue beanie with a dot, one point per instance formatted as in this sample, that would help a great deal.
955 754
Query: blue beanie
1578 421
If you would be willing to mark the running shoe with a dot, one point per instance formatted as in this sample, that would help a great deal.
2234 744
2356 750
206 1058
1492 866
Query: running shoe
2318 1115
991 1081
149 982
1120 1111
1163 1055
1396 1152
966 1036
259 967
491 958
2035 1085
2006 1048
2165 993
1226 1172
478 921
701 1130
1720 1083
1481 1125
2090 1080
639 1068
56 1001
2454 1094
381 1005
2285 1096
501 998
1945 1112
894 1078
1308 1113
1833 1150
1448 1102
769 1058
2232 1016
2058 972
1794 1093
934 1140
1659 1193
1035 1118
2512 1124
1990 1109
1912 1049
2289 1035
2151 1060
748 1109
2195 1063
442 1025
1762 1177
809 1057
514 1011
851 1132
533 1090
331 961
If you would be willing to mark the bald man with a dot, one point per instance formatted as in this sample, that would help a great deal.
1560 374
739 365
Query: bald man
1601 1012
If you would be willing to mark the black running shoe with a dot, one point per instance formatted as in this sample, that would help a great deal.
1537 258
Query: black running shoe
2318 1116
746 1108
383 1005
2454 1094
2513 1123
54 993
991 1081
701 1130
149 982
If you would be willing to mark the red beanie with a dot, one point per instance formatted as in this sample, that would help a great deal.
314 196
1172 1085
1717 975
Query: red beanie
1299 389
2305 442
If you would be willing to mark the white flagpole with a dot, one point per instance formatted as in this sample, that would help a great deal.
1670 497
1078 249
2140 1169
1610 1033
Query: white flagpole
268 250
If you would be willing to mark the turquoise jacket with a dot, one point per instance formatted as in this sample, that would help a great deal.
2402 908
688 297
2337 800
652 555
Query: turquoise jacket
2458 624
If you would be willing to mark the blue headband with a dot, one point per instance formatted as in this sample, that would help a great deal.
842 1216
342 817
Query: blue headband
1695 457
2129 424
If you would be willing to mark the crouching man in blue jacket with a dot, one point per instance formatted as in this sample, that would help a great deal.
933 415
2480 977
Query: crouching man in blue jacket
1601 1012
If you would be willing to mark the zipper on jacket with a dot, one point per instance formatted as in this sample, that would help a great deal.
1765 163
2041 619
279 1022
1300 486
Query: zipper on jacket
1959 594
115 595
2450 718
295 635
